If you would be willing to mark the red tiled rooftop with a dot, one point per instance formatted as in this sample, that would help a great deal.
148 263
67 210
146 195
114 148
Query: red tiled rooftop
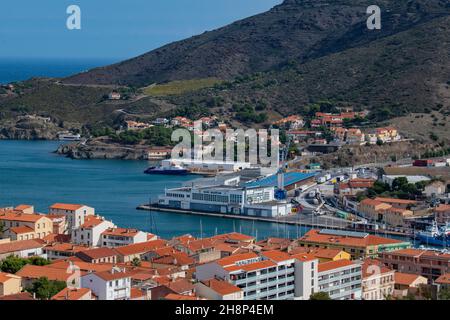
221 287
66 206
231 260
71 294
331 265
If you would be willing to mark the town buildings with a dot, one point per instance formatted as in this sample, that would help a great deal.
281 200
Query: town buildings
75 213
90 232
117 237
18 225
341 279
114 284
357 244
378 280
427 263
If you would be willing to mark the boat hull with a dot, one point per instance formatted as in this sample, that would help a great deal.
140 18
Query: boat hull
167 172
441 242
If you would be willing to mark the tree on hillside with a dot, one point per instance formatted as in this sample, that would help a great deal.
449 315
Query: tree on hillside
44 289
320 296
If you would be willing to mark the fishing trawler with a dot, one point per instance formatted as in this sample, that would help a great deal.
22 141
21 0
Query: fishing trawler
435 235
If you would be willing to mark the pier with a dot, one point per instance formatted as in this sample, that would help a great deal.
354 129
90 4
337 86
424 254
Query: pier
310 221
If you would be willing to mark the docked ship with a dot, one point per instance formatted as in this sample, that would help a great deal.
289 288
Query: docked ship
435 235
167 170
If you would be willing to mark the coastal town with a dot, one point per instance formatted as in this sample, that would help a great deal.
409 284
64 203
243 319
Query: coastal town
369 232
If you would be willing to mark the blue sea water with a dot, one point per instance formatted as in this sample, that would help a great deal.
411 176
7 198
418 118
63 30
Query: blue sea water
12 69
31 173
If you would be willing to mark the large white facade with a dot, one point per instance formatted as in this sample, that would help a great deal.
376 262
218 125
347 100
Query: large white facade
258 201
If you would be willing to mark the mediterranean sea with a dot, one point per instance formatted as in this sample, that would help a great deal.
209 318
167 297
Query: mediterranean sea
30 173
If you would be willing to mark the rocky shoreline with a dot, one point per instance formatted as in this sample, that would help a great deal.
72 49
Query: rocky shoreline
98 149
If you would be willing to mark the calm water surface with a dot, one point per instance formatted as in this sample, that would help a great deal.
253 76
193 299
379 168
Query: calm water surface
30 173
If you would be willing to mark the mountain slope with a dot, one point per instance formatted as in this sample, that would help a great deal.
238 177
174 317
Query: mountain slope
298 30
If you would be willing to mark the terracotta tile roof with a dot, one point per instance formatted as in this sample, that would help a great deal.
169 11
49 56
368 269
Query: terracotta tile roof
373 266
177 258
315 236
123 232
417 253
304 257
66 206
15 246
21 230
393 200
140 248
114 274
21 217
231 260
18 296
276 255
180 286
97 253
71 294
371 202
234 236
405 279
65 247
57 238
136 293
22 207
442 208
174 296
36 272
7 276
221 287
444 279
331 265
84 266
91 222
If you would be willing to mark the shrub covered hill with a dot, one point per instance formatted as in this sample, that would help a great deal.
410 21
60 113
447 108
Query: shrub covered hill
298 53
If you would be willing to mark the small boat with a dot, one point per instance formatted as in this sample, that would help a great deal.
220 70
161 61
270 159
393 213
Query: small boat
167 170
435 236
65 136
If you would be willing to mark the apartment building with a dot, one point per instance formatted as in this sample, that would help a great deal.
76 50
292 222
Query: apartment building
341 279
128 253
75 213
98 255
408 284
30 273
117 237
378 280
90 232
427 263
372 209
24 226
357 244
270 276
114 284
57 251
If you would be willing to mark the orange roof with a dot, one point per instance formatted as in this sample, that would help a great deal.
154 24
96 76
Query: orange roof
140 248
420 253
36 272
113 274
135 293
371 202
276 255
174 296
442 208
123 232
405 279
22 217
66 206
234 236
180 286
7 276
221 287
84 266
331 265
96 253
393 200
315 236
91 222
71 294
15 246
444 279
304 257
21 230
22 207
231 260
65 247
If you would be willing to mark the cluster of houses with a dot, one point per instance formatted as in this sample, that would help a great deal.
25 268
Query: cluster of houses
175 122
100 261
295 126
432 205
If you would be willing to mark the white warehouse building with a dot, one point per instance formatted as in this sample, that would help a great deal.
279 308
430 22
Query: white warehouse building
256 201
